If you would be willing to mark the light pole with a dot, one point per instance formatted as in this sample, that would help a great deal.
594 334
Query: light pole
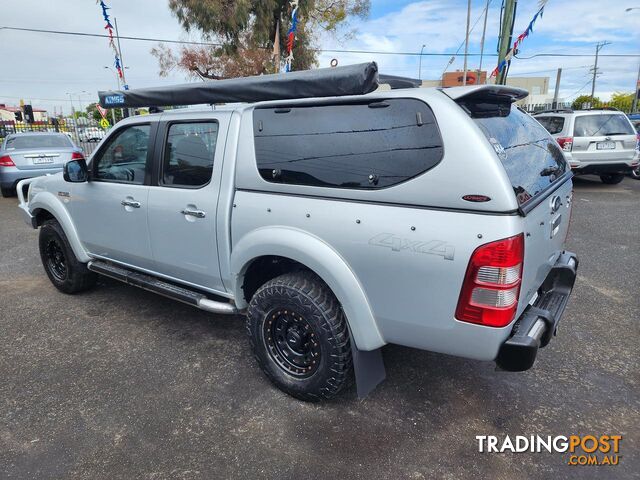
466 43
420 63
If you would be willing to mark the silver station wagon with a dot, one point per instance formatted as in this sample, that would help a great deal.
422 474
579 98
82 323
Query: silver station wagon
601 142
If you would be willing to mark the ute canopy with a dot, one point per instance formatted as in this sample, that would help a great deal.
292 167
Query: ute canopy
325 82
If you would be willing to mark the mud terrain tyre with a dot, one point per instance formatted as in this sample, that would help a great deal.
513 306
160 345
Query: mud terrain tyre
612 178
299 336
63 268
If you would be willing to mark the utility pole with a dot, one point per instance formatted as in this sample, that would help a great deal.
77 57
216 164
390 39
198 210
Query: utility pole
595 70
634 106
506 32
554 105
466 43
484 32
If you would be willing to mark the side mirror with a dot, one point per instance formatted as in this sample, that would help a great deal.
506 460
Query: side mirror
76 171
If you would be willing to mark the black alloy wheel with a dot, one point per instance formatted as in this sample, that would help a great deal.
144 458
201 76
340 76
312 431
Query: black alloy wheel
292 343
56 260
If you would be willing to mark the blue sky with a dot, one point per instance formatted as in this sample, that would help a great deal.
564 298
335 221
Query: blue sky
45 68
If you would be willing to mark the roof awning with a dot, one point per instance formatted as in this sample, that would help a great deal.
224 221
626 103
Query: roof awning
325 82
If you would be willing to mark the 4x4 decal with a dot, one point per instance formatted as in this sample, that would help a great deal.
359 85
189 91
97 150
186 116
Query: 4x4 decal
397 244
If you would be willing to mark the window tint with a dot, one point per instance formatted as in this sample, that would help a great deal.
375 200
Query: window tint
532 159
125 157
188 155
552 124
365 145
38 141
601 125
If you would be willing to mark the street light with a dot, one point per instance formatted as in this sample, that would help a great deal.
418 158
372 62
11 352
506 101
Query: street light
632 8
420 64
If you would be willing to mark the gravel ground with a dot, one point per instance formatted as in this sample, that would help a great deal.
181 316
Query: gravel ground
121 383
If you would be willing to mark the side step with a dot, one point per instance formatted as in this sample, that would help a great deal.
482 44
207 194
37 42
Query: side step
161 287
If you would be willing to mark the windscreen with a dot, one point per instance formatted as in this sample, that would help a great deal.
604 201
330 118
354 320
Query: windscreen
530 156
38 141
601 125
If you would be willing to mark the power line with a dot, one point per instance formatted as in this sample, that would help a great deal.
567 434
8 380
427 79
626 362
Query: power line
323 50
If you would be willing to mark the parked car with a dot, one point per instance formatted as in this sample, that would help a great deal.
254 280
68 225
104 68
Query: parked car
601 142
91 134
27 155
431 218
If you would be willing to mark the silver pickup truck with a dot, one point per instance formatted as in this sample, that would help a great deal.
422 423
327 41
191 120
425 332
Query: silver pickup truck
338 217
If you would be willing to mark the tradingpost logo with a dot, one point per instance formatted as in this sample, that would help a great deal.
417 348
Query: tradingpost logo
582 450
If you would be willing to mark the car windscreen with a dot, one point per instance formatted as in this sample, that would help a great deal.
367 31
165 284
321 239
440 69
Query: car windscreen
23 142
602 125
552 124
531 158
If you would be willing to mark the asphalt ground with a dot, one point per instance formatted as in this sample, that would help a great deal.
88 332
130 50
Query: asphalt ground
121 383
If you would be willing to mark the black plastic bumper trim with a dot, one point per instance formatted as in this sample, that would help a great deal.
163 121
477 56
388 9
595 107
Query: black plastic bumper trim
539 322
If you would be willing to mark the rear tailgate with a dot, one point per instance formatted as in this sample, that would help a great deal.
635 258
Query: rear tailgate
539 175
603 137
38 159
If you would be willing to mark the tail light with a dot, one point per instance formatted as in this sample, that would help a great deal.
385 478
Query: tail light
491 285
77 156
5 161
566 143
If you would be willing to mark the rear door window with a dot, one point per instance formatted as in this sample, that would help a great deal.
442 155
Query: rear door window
363 145
532 159
188 154
601 125
553 125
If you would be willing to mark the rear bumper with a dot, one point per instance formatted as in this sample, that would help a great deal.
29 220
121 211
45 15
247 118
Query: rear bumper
604 168
539 322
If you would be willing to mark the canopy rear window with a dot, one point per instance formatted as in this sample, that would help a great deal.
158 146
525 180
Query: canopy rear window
530 156
366 145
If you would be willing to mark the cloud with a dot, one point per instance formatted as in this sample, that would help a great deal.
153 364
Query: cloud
45 67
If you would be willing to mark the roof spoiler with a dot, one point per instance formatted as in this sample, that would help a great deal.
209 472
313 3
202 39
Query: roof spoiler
487 93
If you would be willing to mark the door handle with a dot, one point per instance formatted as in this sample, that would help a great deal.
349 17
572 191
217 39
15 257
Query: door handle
193 213
130 203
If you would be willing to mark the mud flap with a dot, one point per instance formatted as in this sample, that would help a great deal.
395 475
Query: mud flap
369 369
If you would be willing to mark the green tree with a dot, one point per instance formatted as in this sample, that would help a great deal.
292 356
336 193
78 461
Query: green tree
245 31
622 101
583 100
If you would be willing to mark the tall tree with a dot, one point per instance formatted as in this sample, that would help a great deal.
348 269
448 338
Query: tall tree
244 32
622 101
583 100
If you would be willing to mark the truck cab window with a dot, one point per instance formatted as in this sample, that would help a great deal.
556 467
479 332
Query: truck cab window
188 154
124 159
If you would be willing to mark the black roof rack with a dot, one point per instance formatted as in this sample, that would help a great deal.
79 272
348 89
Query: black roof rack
604 108
325 82
554 110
